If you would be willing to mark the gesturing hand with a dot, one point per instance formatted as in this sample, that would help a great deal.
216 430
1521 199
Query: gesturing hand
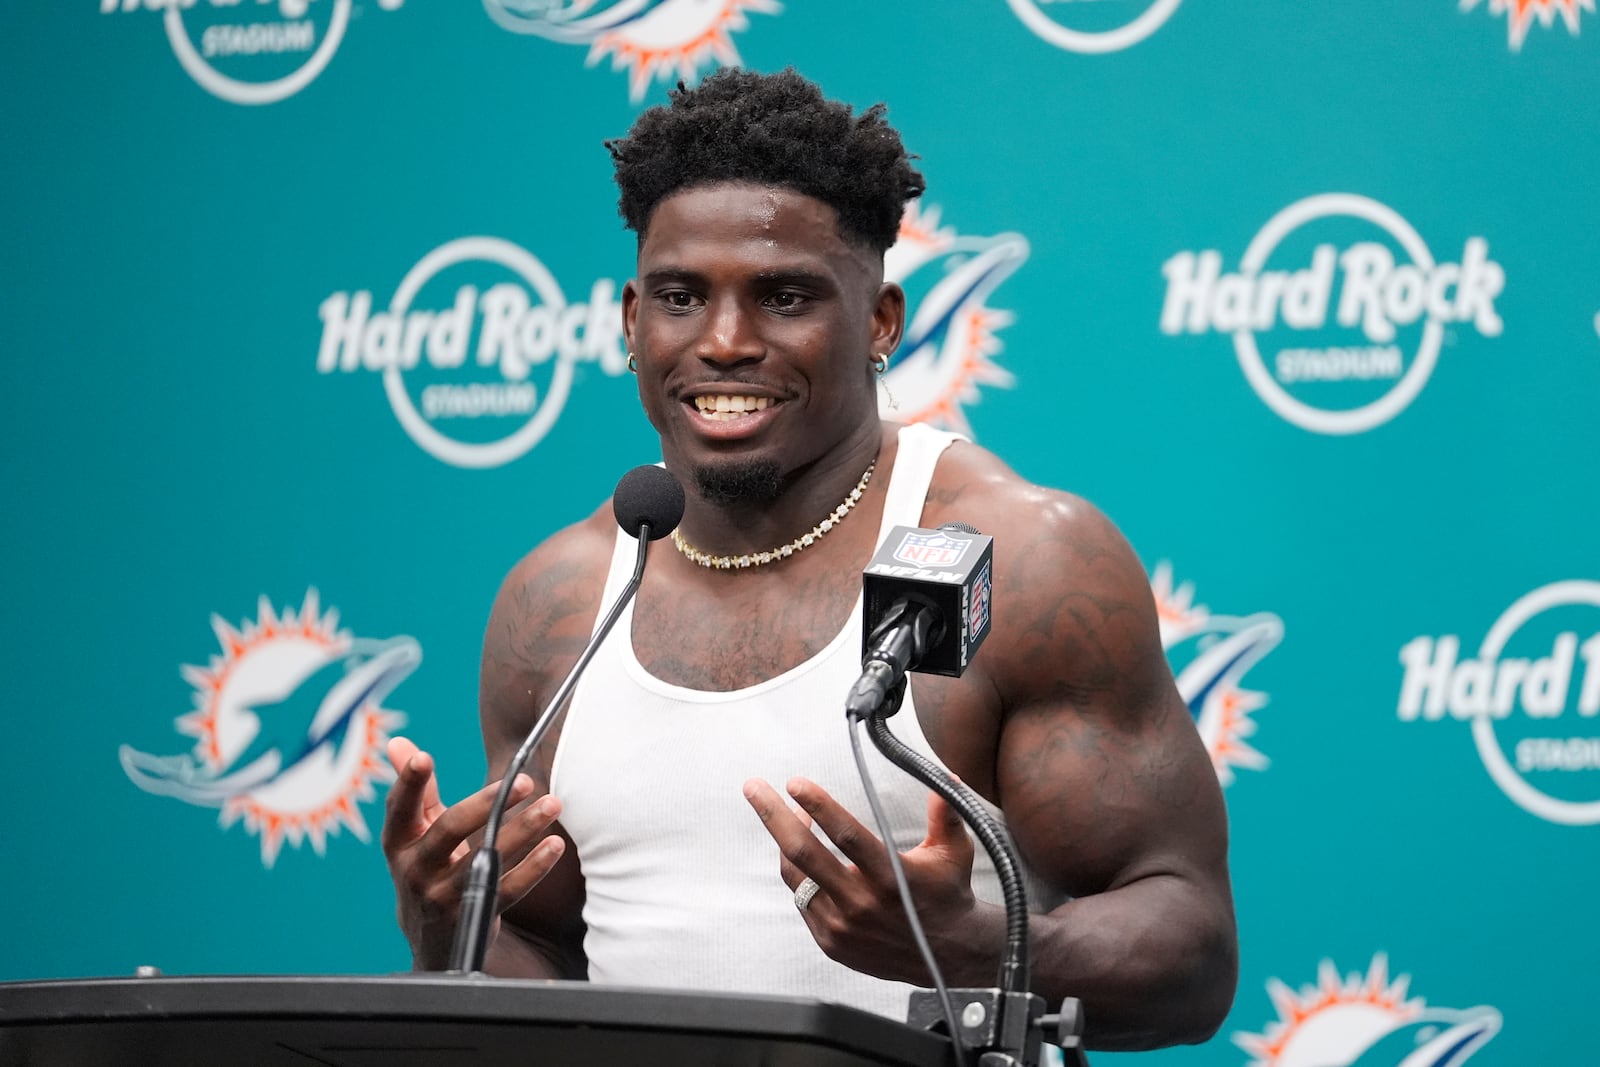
856 916
427 847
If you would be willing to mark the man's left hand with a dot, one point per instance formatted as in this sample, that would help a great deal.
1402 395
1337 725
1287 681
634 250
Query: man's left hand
856 916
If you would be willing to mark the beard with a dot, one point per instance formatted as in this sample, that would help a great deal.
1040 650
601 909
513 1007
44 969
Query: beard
754 481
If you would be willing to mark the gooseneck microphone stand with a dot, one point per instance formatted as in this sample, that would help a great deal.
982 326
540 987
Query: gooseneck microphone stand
648 503
479 899
1014 972
1005 1025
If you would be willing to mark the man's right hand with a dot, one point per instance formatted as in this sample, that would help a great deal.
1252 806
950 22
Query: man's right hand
427 846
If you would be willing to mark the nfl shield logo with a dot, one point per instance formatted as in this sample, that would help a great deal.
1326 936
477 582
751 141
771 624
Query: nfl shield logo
932 550
978 613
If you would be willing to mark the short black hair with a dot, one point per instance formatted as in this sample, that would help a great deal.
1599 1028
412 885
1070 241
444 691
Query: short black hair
768 129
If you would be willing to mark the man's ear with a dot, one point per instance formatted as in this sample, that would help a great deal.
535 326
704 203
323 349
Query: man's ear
630 311
888 318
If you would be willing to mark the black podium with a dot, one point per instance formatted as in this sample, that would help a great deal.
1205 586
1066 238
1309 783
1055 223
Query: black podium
428 1020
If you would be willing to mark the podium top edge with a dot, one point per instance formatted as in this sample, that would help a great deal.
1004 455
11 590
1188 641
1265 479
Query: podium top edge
442 998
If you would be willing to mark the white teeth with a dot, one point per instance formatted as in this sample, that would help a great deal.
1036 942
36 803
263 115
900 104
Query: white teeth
721 408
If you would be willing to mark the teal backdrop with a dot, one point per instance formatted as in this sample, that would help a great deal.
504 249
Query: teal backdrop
311 326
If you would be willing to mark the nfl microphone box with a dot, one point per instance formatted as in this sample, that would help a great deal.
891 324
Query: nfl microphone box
952 571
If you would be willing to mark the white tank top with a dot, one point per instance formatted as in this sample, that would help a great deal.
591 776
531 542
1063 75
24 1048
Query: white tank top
682 884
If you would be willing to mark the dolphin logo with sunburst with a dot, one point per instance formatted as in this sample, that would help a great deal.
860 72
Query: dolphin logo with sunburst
1521 13
1365 1021
654 40
289 727
1210 655
950 346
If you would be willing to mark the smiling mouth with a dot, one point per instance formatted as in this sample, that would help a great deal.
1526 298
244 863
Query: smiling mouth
721 408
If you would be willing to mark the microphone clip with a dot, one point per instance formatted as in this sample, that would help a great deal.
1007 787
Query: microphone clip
1004 1029
910 627
897 644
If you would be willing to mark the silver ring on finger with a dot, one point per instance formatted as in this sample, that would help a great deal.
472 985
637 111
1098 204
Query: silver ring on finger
804 892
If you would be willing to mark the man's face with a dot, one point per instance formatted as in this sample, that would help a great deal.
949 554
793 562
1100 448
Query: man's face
754 323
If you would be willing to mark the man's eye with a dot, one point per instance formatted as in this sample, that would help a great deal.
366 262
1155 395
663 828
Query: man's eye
677 298
785 300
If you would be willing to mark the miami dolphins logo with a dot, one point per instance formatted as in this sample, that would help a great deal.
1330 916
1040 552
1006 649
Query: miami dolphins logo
1365 1021
950 346
1521 13
654 40
1210 655
289 727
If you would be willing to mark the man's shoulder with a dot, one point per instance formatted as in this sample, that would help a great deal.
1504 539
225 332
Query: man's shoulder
1073 611
1057 557
564 570
584 547
973 485
540 622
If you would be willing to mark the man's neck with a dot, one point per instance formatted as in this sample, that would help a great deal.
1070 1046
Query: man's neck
808 496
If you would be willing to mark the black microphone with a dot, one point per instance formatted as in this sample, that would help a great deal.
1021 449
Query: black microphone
648 504
926 598
648 501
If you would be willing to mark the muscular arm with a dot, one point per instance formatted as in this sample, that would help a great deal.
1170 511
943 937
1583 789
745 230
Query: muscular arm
1071 722
541 620
1104 782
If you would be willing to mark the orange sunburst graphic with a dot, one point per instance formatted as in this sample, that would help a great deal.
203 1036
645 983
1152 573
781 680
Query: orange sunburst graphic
1234 724
1176 611
951 344
207 722
316 822
676 39
975 366
289 727
1520 14
1210 655
1332 1021
919 228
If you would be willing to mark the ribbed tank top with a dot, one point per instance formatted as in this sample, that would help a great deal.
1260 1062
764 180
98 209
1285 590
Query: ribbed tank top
681 878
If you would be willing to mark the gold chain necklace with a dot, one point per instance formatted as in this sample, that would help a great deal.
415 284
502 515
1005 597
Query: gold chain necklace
757 559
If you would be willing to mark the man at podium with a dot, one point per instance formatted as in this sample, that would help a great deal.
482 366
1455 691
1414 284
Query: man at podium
695 820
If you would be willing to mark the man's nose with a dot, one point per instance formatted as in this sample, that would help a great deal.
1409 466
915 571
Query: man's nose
730 334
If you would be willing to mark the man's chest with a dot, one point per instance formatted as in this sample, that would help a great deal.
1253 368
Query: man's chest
737 635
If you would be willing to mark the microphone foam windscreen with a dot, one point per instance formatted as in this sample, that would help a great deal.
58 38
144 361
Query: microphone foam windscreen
650 496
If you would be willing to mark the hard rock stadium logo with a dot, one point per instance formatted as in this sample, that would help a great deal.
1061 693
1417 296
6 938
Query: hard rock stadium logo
1531 698
289 727
252 51
1094 27
1365 1021
1520 15
1210 655
950 347
653 40
478 348
1338 311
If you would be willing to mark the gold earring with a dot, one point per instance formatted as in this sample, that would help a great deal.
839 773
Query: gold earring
633 363
880 362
